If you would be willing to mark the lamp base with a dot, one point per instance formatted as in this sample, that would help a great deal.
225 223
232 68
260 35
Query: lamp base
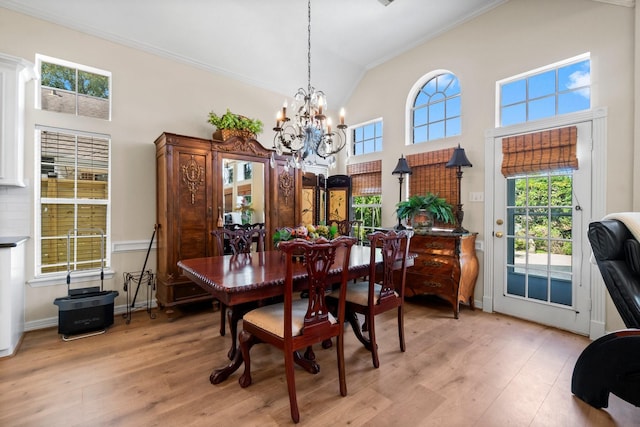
460 230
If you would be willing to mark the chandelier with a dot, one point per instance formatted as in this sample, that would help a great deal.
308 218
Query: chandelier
309 134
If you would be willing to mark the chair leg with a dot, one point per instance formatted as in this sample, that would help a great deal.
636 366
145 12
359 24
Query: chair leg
291 385
372 341
341 365
401 328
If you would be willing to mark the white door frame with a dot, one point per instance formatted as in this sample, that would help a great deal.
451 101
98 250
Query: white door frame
598 118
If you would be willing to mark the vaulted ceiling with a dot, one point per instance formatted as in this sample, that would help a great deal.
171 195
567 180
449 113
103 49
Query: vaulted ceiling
264 42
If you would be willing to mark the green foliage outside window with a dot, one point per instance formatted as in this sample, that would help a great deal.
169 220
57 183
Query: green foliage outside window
66 78
543 211
367 209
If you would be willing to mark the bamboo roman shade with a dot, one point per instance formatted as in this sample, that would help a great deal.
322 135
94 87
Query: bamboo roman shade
366 178
431 175
540 151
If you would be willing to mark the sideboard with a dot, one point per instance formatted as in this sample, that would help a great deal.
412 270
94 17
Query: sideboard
446 266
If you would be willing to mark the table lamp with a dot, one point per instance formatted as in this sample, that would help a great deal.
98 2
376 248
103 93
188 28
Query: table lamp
459 160
401 169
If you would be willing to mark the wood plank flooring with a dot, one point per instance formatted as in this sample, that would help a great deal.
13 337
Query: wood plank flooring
480 370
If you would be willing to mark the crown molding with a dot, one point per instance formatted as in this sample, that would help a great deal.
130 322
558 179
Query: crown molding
625 3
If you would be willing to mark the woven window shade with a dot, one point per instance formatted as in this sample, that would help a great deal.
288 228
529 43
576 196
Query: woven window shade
540 151
366 178
244 190
431 176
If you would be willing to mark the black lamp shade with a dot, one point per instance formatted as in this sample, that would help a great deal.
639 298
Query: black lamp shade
402 167
459 158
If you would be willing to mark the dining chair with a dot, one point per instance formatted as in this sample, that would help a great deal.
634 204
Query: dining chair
348 227
298 323
240 241
382 291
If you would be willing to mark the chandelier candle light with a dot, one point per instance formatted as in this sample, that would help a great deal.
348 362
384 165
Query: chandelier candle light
308 135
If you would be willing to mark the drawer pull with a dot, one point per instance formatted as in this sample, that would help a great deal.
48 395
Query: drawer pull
432 284
433 245
432 263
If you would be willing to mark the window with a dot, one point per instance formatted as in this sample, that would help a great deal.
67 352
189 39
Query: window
74 194
436 109
367 209
557 89
366 192
430 175
74 89
367 138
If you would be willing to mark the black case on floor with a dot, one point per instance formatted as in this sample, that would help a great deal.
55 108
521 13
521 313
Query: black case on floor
88 312
88 309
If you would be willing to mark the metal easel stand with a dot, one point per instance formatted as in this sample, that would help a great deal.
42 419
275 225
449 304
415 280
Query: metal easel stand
139 278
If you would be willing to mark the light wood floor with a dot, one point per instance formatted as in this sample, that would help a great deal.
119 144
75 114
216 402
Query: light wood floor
481 370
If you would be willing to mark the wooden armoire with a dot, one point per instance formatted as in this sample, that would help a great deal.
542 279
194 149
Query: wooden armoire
189 197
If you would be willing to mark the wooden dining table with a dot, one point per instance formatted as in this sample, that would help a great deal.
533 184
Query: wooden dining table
244 278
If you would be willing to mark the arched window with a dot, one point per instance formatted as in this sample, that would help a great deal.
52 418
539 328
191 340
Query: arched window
435 113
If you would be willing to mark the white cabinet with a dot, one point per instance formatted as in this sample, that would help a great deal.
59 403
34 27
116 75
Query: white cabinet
14 73
12 279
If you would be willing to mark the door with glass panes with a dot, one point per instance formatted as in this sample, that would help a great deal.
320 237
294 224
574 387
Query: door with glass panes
540 246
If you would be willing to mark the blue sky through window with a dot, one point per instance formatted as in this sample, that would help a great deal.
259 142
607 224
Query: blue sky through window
560 90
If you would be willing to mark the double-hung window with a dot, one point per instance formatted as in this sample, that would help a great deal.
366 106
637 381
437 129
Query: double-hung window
74 200
74 187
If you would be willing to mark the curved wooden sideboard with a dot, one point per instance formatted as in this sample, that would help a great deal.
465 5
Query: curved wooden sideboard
446 266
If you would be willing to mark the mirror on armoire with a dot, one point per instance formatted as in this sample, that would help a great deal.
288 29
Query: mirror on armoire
243 188
243 184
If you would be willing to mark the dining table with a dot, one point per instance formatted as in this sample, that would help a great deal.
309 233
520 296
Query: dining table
243 278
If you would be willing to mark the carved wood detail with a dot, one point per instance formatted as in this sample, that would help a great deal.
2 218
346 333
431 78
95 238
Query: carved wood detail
286 184
193 177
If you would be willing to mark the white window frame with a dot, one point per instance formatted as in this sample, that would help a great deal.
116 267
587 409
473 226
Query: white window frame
49 59
352 130
55 278
417 86
527 74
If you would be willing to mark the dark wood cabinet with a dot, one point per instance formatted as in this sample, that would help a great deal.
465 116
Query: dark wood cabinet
190 192
184 199
446 266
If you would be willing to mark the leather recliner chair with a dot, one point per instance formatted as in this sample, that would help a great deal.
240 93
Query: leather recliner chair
611 364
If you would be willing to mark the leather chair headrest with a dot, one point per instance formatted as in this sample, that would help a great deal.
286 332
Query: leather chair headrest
632 255
607 239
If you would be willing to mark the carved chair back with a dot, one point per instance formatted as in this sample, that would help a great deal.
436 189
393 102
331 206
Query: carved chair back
299 323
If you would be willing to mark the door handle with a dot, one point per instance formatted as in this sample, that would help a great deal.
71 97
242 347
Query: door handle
499 234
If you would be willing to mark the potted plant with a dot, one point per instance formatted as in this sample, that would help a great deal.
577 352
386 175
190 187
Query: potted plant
231 124
422 210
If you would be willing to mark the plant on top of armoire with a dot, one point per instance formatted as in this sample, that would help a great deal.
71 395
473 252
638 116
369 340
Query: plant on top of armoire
231 124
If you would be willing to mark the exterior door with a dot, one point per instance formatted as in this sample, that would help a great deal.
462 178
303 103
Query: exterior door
541 253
